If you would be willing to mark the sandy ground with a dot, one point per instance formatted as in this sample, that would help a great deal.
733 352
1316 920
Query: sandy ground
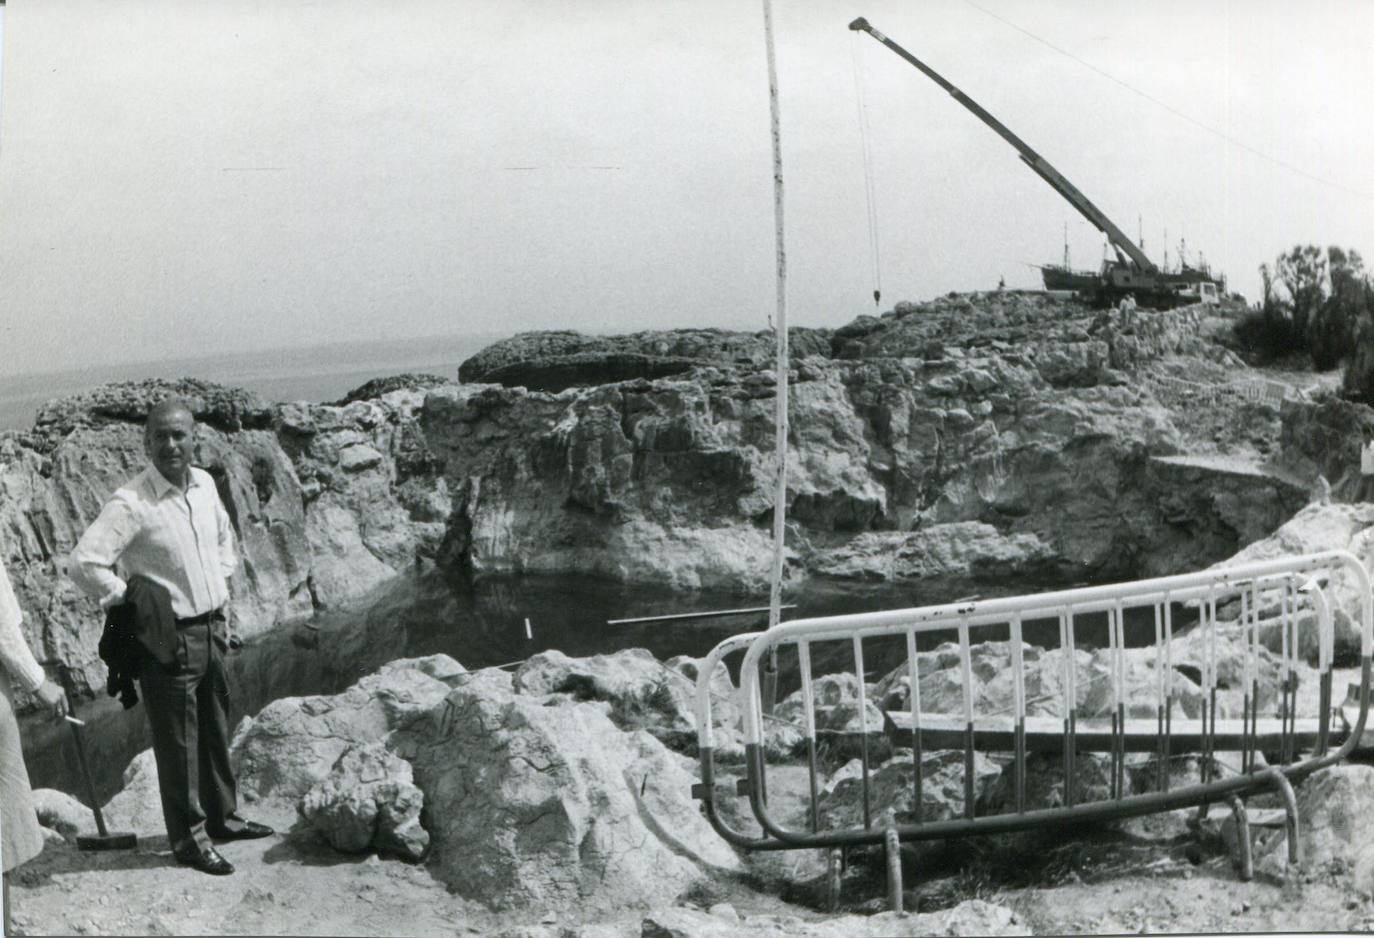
289 884
1106 883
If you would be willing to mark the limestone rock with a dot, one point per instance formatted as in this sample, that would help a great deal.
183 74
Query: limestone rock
59 811
327 502
529 800
1334 808
138 805
892 787
293 743
1316 528
534 358
380 386
368 802
961 548
644 693
546 804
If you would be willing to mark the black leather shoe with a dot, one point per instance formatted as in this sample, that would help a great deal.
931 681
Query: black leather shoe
207 861
251 830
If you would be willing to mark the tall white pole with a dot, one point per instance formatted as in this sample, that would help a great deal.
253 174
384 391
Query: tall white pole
780 444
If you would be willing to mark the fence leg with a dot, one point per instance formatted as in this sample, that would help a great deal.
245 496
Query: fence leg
1290 811
834 872
893 847
1247 864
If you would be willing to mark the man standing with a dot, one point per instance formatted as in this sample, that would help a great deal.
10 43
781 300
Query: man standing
167 531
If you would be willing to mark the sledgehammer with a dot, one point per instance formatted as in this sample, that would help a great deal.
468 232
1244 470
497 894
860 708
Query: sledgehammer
103 840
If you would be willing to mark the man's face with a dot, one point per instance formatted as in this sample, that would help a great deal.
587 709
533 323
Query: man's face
168 439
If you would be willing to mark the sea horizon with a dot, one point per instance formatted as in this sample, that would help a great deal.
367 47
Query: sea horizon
317 373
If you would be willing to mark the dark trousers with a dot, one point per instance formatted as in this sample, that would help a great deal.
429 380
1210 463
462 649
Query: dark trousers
188 711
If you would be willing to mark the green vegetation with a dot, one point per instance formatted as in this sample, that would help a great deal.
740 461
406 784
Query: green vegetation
1320 304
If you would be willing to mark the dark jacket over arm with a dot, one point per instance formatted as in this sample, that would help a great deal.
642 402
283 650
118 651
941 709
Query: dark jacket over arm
144 618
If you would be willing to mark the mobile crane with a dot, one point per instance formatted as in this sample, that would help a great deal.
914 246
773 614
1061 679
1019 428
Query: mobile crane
1132 273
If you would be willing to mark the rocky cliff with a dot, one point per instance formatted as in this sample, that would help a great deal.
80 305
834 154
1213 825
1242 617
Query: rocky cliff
327 501
993 434
990 435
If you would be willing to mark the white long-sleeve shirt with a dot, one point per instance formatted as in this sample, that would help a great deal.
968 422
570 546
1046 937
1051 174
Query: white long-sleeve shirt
15 656
181 540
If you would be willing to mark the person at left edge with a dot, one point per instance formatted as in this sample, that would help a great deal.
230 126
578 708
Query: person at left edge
20 837
168 526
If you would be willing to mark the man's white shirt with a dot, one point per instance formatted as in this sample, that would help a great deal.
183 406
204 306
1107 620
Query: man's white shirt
180 540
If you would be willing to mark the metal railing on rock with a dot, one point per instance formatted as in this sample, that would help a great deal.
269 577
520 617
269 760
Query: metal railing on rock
1212 686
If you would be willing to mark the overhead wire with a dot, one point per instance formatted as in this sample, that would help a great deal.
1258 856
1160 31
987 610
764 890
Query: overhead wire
1170 108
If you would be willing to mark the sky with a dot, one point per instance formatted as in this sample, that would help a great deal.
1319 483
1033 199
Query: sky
183 179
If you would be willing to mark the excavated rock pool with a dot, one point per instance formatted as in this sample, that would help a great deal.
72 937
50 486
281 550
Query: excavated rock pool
482 624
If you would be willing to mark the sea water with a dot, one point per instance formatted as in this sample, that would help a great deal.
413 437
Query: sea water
319 373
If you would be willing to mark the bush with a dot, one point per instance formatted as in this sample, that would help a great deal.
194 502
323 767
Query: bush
1268 332
1332 327
1358 382
1323 300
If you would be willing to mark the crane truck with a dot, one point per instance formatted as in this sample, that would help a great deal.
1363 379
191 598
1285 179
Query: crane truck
1131 273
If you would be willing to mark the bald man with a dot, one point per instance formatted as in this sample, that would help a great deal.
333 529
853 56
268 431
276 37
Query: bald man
167 532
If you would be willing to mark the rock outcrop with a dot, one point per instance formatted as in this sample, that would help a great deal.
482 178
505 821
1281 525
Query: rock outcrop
1325 437
368 803
531 800
1334 807
327 502
1316 528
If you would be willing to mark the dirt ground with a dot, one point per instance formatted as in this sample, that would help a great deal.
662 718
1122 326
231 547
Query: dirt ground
290 884
1104 883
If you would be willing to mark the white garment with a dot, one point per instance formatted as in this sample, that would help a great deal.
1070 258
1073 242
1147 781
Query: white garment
20 837
180 540
15 657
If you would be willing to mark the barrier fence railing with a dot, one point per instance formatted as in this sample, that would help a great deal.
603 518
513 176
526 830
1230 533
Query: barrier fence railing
1275 747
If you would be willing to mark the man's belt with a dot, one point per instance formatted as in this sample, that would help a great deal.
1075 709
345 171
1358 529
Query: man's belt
214 615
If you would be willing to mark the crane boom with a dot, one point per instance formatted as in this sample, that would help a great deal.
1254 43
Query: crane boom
1042 168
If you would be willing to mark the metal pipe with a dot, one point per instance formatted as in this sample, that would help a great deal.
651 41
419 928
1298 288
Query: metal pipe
863 722
914 702
1019 698
893 848
1247 863
1290 815
709 614
966 663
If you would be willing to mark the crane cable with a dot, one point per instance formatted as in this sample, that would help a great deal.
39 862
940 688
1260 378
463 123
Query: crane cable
868 170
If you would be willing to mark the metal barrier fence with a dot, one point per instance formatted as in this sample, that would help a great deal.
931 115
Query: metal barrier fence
1291 591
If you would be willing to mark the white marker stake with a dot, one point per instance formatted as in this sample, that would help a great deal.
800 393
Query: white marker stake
528 633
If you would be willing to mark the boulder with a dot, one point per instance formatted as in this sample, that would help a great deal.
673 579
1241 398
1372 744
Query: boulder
1317 527
643 692
59 811
368 802
892 787
294 743
1335 806
539 803
138 805
836 709
530 800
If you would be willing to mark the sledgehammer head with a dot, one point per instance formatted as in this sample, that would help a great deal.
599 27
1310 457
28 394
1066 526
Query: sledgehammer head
113 841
